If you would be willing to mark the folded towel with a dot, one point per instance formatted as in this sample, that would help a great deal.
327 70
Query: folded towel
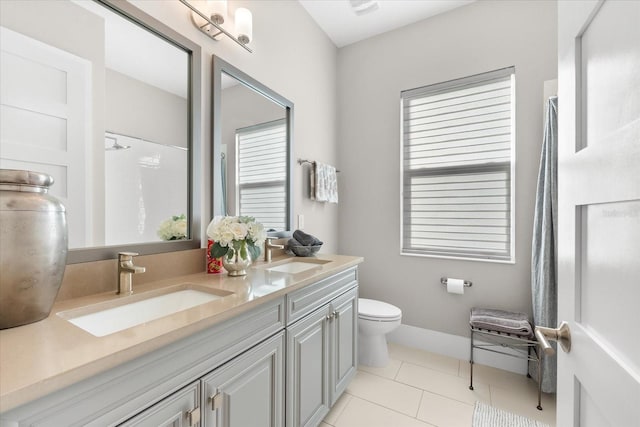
293 242
306 239
501 321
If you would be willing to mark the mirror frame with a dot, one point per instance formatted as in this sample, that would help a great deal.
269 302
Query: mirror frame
221 66
132 13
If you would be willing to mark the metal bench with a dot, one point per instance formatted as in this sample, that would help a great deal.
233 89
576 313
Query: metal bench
496 338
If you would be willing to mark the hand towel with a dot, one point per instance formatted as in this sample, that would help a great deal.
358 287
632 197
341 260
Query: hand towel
325 180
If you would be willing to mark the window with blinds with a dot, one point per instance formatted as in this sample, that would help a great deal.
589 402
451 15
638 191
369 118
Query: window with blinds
262 173
457 168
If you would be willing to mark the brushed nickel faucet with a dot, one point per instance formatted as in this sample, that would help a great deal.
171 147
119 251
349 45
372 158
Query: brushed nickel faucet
126 270
268 246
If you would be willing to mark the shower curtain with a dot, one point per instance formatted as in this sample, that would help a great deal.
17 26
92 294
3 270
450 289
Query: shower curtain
543 251
223 177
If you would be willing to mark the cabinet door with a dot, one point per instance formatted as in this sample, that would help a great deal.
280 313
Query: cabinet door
177 410
248 390
307 369
344 339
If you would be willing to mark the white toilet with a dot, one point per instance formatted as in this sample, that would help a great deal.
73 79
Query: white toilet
375 320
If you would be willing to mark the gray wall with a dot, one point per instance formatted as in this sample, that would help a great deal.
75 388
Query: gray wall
481 37
293 57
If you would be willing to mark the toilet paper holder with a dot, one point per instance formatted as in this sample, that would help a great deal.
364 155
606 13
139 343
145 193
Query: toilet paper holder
467 283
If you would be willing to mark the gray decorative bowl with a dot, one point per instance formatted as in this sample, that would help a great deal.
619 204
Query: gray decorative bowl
305 250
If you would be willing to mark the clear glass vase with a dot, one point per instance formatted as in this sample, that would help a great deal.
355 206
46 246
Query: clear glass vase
236 265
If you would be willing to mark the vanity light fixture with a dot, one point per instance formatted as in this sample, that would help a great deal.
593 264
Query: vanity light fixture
210 16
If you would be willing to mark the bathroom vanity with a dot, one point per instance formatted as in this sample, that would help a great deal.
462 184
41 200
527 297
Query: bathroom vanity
284 336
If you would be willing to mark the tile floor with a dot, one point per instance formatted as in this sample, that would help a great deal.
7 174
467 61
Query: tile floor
425 389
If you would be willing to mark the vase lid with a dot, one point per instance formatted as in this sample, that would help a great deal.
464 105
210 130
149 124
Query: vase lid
22 190
25 177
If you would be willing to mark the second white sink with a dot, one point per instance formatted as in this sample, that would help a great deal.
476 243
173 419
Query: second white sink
294 267
127 315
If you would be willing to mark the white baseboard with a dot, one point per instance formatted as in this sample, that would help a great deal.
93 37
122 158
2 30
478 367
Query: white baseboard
453 346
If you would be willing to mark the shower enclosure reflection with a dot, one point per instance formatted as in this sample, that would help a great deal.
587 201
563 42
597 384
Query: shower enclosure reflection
135 169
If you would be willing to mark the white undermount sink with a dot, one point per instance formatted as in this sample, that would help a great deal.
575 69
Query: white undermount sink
114 316
295 267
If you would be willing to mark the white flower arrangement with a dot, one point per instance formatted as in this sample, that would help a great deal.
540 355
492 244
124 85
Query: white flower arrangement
236 236
175 228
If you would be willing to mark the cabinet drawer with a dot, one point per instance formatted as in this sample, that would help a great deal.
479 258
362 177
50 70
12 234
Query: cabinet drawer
304 301
179 409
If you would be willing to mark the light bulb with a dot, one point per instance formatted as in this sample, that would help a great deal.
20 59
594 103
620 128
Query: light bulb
244 24
217 10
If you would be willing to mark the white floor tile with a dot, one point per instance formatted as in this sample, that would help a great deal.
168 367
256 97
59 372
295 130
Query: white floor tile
494 376
451 386
337 409
418 357
382 391
360 413
444 412
390 371
422 389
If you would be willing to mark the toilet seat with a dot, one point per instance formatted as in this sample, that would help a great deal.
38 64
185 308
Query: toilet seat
379 311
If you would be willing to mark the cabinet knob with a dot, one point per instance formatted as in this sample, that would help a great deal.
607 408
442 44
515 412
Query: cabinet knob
332 315
193 416
217 400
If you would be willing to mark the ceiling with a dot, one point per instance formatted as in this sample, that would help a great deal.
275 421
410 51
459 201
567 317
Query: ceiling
338 18
135 52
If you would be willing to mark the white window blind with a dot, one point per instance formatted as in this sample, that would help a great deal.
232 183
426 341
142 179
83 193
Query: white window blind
262 173
457 146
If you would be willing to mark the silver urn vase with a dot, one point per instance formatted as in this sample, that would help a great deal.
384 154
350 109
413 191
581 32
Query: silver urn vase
236 265
33 247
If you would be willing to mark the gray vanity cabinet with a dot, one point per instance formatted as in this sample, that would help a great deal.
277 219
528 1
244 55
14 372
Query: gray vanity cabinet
321 346
282 363
248 391
163 387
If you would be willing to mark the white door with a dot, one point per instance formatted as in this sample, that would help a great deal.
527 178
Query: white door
45 120
599 212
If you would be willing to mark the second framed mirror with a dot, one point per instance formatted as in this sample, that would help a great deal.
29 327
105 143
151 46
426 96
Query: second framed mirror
252 149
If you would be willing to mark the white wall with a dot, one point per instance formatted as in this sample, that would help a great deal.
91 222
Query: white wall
42 21
481 37
139 109
293 57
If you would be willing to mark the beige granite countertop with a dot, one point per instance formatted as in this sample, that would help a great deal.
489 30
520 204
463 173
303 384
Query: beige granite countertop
42 357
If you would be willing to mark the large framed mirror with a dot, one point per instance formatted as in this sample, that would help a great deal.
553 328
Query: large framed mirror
252 149
106 99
